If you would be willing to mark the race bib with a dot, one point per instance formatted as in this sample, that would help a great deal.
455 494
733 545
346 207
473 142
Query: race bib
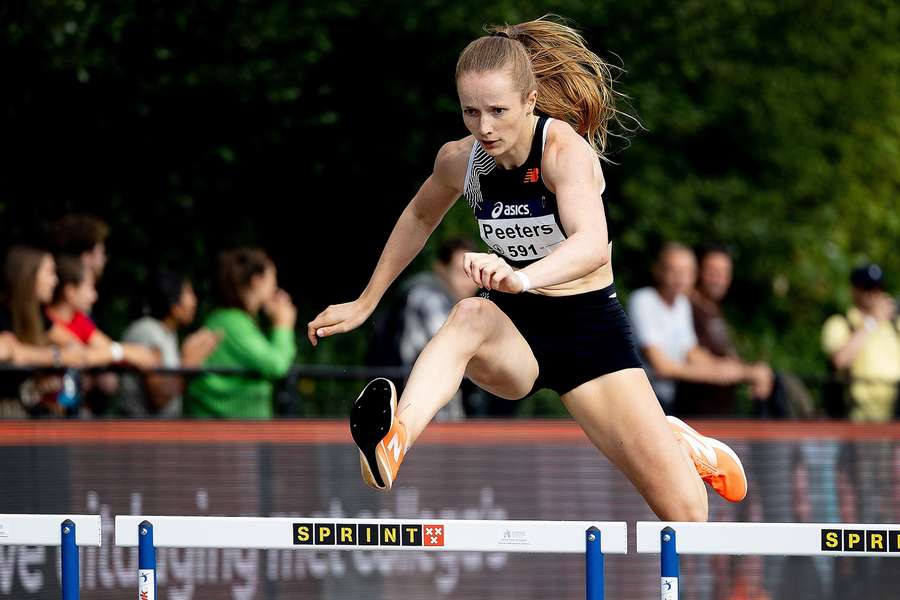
521 239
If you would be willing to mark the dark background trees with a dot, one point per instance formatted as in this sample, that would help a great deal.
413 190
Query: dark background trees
771 126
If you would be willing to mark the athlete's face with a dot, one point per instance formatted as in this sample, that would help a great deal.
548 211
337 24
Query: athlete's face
494 110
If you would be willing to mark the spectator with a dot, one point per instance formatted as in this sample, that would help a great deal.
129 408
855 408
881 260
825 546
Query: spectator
30 278
713 336
172 305
248 285
73 298
83 236
424 303
664 330
864 346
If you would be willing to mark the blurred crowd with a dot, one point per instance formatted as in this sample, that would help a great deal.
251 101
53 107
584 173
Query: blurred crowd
55 360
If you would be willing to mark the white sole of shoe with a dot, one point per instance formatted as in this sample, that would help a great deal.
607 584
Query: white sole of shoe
712 442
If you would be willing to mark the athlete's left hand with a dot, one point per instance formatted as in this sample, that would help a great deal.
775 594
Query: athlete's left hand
491 272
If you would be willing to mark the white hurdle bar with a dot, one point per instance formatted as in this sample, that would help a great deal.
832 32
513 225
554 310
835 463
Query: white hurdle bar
299 533
67 531
671 539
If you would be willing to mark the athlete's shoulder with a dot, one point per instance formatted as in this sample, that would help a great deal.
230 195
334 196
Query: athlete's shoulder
567 153
452 161
562 138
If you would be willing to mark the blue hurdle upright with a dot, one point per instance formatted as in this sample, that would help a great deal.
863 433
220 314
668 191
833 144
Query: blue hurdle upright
761 539
299 533
66 531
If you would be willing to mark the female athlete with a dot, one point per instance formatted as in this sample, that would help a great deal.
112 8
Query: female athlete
537 103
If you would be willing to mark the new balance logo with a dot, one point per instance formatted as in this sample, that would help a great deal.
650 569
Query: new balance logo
394 445
532 175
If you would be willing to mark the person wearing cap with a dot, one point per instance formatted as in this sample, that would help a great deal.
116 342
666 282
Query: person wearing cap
863 345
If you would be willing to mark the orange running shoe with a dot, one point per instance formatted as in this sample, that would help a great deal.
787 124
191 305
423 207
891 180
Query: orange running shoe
380 436
716 463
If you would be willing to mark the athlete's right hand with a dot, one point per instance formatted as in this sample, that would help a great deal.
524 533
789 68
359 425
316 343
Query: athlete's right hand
338 318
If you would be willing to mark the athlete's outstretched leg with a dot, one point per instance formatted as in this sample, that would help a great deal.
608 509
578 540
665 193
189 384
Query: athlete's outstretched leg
478 339
620 414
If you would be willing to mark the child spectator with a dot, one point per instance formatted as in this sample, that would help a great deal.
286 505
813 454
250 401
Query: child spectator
73 299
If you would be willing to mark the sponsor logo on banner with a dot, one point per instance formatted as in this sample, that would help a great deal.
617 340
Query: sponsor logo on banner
4 532
367 534
146 585
434 535
860 540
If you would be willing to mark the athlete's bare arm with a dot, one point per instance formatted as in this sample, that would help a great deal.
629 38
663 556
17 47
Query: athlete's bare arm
420 217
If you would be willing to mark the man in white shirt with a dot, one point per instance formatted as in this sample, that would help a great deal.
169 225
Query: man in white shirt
664 330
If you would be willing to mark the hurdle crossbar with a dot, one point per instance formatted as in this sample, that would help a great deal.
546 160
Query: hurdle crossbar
556 537
763 539
66 531
299 533
43 530
775 539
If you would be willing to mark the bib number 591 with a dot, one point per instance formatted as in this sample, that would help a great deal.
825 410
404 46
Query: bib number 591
521 251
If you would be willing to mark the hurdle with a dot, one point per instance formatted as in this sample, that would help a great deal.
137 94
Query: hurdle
299 533
669 540
66 531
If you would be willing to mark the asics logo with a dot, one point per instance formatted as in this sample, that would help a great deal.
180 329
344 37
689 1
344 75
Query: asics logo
510 210
394 446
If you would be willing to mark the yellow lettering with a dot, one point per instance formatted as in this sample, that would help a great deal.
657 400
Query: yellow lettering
346 534
412 534
368 535
390 535
852 540
832 540
303 534
324 533
876 540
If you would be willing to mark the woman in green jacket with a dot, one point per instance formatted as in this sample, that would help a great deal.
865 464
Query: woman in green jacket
248 285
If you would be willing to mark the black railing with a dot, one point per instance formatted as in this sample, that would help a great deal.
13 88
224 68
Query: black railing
306 391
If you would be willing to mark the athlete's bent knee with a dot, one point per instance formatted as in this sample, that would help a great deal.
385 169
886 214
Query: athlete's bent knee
472 315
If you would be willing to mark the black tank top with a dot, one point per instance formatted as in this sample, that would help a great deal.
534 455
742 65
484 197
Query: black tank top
517 215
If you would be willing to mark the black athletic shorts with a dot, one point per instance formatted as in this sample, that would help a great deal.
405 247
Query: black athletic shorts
574 338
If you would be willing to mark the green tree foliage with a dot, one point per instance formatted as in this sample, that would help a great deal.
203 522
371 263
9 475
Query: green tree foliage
771 126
